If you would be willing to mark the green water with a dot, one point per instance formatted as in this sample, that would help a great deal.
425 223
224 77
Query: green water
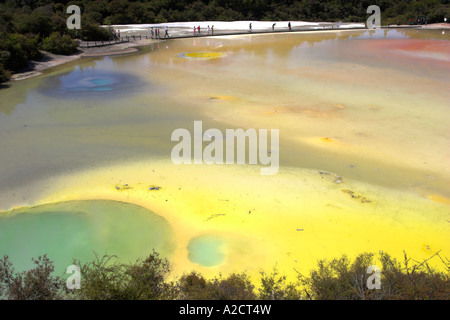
207 251
77 229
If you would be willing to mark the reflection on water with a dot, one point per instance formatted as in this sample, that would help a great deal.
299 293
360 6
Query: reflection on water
201 55
363 113
90 83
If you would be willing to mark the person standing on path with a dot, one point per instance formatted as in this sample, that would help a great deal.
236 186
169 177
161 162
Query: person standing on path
273 26
289 26
212 30
207 30
195 30
198 31
250 28
166 34
152 33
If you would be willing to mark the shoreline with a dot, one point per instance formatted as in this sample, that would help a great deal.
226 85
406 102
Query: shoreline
49 60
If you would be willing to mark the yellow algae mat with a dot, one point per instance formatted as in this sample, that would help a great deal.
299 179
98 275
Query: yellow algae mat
291 219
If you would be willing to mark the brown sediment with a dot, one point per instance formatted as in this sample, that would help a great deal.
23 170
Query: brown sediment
123 187
313 111
355 196
47 61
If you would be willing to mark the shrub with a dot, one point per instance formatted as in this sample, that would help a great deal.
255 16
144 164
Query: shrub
339 279
91 31
21 48
336 279
275 287
236 286
107 279
148 278
34 284
193 286
58 44
4 74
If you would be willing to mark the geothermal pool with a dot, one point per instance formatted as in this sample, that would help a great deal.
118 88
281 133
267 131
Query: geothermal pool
363 119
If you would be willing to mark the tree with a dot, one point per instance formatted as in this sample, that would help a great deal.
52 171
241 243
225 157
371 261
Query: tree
37 283
38 22
236 286
148 278
4 74
58 44
275 287
107 279
92 31
21 49
102 279
193 286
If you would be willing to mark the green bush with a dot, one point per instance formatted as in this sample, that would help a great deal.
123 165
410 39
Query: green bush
341 279
37 283
275 287
21 49
107 279
336 279
4 74
58 44
38 22
237 286
91 31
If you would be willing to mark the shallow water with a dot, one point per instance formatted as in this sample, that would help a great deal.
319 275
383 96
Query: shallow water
207 251
362 113
90 83
80 230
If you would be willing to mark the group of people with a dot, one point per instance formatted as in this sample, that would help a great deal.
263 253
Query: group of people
209 31
273 27
155 33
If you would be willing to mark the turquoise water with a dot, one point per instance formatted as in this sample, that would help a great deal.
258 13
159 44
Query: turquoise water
207 251
77 229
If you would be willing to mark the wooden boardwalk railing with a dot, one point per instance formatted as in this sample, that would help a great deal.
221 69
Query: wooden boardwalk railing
91 44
